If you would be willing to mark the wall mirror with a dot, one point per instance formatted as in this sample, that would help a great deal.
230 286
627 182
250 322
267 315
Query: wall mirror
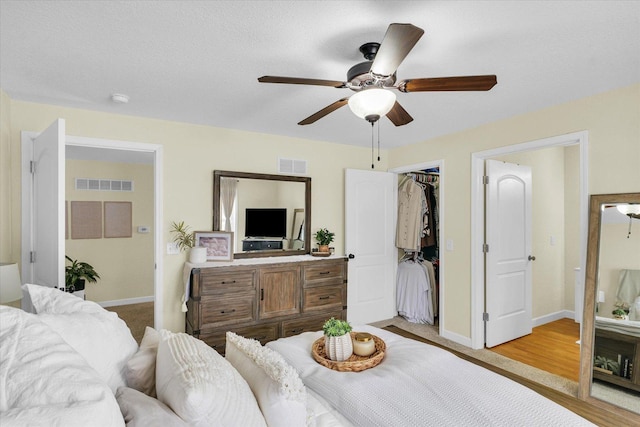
610 342
269 215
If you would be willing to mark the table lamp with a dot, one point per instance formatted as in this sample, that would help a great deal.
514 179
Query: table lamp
9 283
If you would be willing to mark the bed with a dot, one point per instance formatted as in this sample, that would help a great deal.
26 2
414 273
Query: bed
74 363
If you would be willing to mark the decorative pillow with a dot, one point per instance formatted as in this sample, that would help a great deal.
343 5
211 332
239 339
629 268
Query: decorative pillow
200 386
280 392
55 301
44 381
140 410
140 370
104 341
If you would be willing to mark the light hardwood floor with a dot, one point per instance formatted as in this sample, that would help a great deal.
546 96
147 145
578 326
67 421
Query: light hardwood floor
551 347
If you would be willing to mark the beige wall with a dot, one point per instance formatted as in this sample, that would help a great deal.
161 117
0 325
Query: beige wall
125 265
612 120
191 154
7 252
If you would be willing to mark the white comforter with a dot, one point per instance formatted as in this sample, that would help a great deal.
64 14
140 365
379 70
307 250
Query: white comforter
421 385
44 382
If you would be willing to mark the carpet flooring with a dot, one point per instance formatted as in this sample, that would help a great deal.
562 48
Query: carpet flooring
136 316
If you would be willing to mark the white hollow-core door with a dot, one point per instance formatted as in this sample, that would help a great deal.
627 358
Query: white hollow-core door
370 209
508 257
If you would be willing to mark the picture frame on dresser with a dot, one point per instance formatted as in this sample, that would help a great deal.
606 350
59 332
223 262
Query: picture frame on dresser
219 244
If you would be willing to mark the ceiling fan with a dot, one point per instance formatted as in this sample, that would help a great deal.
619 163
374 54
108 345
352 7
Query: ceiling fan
373 80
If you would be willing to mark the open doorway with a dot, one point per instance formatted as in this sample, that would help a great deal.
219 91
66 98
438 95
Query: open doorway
559 228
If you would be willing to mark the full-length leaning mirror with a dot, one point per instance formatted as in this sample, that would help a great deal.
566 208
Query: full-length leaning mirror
269 215
610 343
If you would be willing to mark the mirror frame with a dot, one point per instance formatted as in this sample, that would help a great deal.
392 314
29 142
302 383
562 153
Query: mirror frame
590 287
307 208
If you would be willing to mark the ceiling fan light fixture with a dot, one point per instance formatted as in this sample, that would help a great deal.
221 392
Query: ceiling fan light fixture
372 102
629 209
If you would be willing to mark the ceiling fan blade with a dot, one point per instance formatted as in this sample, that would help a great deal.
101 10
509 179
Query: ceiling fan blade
326 110
448 84
396 45
301 81
399 115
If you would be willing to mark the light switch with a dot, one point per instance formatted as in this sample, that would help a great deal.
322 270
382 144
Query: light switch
172 248
450 245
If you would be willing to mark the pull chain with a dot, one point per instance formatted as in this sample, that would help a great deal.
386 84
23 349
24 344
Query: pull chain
378 140
629 233
372 145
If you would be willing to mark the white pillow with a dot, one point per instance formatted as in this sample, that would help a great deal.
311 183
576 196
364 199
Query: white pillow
104 341
140 410
55 301
276 385
44 381
200 386
140 370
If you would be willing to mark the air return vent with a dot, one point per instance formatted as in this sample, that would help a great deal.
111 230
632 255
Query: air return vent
294 166
96 184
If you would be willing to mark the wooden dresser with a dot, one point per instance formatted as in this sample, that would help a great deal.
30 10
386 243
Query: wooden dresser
265 300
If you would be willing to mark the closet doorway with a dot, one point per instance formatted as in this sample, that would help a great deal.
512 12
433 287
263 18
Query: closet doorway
430 175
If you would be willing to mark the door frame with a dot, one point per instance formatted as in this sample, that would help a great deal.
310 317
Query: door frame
478 217
442 330
157 151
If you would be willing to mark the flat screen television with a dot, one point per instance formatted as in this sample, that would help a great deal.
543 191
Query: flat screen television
265 222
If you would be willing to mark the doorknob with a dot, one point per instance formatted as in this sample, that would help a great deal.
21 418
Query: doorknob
351 256
532 258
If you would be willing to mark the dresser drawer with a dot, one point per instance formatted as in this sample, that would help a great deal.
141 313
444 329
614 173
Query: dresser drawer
323 298
323 272
222 311
226 282
217 338
308 324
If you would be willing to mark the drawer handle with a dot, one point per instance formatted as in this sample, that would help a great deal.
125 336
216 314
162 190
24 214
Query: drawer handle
262 294
327 297
295 331
228 283
325 272
228 311
260 338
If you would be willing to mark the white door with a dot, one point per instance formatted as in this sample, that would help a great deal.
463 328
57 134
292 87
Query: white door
43 232
370 209
508 260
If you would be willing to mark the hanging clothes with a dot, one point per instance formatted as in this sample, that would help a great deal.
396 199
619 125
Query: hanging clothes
413 294
411 205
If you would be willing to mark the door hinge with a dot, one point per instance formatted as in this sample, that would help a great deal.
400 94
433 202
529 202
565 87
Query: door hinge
32 257
32 167
485 248
485 317
485 179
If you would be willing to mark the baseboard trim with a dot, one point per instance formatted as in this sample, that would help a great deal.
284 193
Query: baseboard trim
457 338
552 317
126 301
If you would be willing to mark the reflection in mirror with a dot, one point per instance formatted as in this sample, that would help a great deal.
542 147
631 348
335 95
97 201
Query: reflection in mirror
611 329
268 214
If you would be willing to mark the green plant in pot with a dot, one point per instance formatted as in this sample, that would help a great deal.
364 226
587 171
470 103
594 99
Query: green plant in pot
186 240
337 339
324 238
77 273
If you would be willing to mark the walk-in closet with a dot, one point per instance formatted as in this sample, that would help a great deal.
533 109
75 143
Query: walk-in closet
418 244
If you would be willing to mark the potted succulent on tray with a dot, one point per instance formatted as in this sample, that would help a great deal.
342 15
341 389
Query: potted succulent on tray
337 339
77 273
324 238
186 240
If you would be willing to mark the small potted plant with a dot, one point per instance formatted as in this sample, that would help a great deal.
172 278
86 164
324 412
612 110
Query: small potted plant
77 273
620 314
186 241
337 339
324 238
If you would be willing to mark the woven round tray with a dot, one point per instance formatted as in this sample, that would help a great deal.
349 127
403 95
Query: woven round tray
354 363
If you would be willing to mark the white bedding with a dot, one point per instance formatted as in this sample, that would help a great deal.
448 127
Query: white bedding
44 382
421 385
626 327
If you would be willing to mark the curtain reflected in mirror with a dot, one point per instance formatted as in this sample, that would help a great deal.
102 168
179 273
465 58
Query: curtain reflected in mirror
610 371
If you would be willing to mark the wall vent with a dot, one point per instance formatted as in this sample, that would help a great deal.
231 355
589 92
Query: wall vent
95 184
298 167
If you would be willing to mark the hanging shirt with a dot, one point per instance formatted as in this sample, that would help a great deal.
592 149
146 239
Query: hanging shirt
410 208
413 293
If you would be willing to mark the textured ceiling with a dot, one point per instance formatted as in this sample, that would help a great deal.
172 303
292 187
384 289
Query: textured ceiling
198 61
